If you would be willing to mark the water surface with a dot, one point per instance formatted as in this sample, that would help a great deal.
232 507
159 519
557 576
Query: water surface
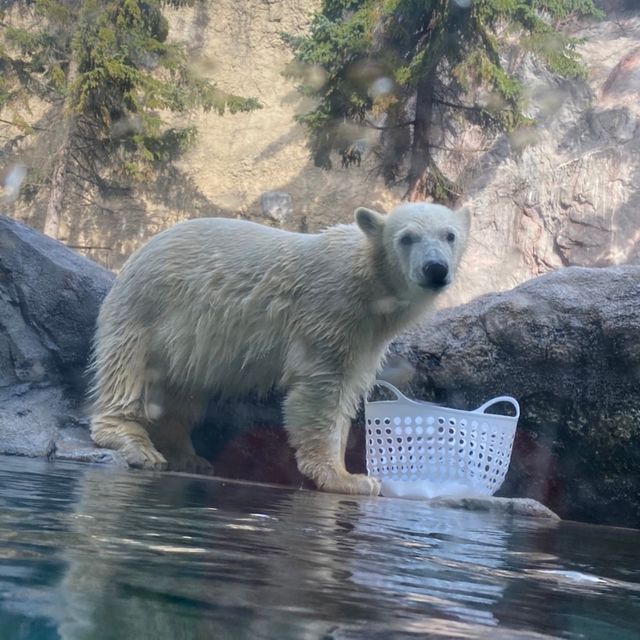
103 554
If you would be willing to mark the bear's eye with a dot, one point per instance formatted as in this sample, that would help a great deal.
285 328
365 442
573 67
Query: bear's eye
406 240
451 237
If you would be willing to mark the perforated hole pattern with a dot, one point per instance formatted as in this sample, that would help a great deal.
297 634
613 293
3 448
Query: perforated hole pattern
441 447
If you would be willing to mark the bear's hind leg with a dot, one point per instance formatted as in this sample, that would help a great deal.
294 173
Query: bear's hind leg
172 435
317 426
127 435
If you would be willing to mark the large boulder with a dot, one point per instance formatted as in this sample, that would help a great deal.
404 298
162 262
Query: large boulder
567 346
49 301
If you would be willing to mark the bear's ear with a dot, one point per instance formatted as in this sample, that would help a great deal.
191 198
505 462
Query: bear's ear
464 219
370 222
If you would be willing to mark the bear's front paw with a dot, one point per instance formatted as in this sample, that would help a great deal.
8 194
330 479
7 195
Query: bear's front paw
352 483
143 457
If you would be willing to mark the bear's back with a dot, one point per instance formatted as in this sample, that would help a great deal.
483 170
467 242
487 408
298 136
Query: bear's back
202 236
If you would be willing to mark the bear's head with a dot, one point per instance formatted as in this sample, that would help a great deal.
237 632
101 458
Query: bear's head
422 241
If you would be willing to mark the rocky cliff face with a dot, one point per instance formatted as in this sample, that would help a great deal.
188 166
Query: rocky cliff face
564 194
567 194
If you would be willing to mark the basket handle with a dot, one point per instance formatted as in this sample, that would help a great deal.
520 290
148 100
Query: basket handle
490 403
389 387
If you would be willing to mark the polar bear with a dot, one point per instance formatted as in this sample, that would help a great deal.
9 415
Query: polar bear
223 306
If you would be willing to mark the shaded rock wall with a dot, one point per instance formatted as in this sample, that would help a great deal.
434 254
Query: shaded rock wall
49 301
566 345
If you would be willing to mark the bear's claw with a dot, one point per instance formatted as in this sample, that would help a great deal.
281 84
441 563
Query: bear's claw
145 458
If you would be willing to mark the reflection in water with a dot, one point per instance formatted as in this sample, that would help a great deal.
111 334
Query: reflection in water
444 561
100 554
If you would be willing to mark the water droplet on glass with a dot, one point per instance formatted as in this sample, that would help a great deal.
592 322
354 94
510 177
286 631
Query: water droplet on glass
381 86
13 180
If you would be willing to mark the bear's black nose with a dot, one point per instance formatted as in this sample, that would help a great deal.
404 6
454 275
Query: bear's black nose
435 274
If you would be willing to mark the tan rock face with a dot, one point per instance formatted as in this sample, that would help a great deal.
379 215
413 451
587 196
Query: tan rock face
572 197
238 157
565 193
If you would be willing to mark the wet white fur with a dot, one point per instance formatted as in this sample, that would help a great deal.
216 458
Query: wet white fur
226 306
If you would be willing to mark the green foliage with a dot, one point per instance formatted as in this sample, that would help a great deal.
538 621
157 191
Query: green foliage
111 67
389 64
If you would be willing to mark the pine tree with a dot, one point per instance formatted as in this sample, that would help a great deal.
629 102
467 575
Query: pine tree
107 73
403 67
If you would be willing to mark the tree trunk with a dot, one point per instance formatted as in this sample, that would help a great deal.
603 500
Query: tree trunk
56 194
61 159
421 161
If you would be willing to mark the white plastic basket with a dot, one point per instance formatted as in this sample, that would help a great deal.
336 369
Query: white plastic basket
454 452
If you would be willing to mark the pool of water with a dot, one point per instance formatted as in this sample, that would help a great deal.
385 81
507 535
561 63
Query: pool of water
96 553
